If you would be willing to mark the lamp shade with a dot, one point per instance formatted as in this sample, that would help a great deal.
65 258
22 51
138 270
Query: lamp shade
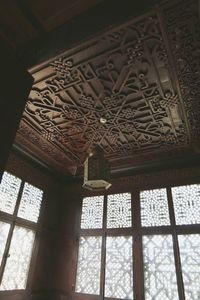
96 171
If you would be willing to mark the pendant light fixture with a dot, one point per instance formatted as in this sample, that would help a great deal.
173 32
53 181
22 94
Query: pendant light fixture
96 171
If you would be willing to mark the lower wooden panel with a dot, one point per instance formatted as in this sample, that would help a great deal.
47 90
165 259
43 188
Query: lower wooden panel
49 295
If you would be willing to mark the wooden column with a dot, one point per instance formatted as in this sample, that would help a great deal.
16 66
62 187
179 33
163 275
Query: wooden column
15 85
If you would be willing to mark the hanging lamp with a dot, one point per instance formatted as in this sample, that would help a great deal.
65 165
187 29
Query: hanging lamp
96 171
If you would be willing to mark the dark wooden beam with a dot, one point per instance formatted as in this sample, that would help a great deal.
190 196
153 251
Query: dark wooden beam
94 21
183 161
27 12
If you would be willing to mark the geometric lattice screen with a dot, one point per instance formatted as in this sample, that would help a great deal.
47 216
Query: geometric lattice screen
89 265
17 265
9 189
20 205
154 208
186 201
119 266
92 212
30 203
189 246
118 282
159 268
112 249
119 210
4 230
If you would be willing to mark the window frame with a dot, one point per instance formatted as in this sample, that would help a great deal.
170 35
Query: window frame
137 232
14 220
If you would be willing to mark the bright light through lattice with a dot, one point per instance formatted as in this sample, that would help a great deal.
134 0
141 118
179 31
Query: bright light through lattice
189 246
89 265
119 211
119 275
154 208
159 268
17 265
92 212
4 229
30 203
9 189
186 200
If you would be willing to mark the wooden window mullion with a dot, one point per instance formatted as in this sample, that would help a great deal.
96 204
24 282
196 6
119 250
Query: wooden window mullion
10 234
176 247
103 254
138 280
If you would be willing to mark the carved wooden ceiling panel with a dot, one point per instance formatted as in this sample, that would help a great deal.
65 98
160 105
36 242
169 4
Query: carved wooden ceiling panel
142 77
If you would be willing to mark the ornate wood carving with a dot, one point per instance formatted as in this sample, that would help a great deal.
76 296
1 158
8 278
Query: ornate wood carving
183 30
126 76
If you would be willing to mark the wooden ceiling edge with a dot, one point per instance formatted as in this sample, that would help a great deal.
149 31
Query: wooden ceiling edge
27 144
175 163
178 162
173 67
37 163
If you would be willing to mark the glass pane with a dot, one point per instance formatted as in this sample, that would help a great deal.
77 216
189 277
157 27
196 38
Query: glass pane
159 269
9 189
89 265
154 208
92 212
4 230
119 274
17 265
119 211
30 203
186 200
190 260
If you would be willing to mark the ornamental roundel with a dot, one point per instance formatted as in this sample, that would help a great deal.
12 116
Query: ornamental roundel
126 76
